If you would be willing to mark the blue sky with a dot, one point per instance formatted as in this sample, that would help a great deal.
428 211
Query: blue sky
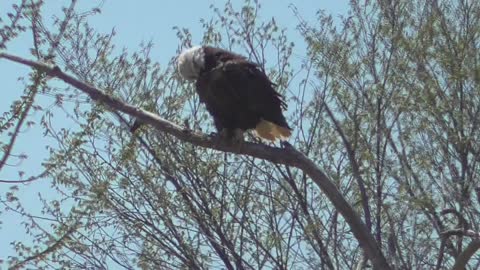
134 22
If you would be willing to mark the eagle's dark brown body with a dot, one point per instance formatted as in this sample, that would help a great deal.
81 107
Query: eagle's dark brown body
239 95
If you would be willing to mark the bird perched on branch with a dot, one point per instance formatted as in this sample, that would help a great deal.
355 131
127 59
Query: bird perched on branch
237 93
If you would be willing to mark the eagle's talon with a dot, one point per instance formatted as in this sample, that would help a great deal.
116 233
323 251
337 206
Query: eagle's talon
285 144
223 134
237 136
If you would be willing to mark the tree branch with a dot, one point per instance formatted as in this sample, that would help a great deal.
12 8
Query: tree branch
287 156
462 258
466 254
58 243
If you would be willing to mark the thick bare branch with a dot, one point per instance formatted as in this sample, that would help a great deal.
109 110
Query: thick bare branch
466 254
287 156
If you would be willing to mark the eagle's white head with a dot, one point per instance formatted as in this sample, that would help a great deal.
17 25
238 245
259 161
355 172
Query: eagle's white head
191 62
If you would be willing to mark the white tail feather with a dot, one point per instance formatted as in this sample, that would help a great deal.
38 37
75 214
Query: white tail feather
271 131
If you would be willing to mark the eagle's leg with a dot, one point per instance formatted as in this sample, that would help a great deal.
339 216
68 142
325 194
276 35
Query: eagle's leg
221 136
224 134
237 136
238 139
234 136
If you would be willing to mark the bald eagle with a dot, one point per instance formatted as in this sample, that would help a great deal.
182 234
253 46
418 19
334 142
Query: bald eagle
237 93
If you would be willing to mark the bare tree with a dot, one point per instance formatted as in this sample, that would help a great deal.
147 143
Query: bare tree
382 169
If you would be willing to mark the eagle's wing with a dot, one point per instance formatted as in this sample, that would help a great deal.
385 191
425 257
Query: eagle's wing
250 86
251 83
